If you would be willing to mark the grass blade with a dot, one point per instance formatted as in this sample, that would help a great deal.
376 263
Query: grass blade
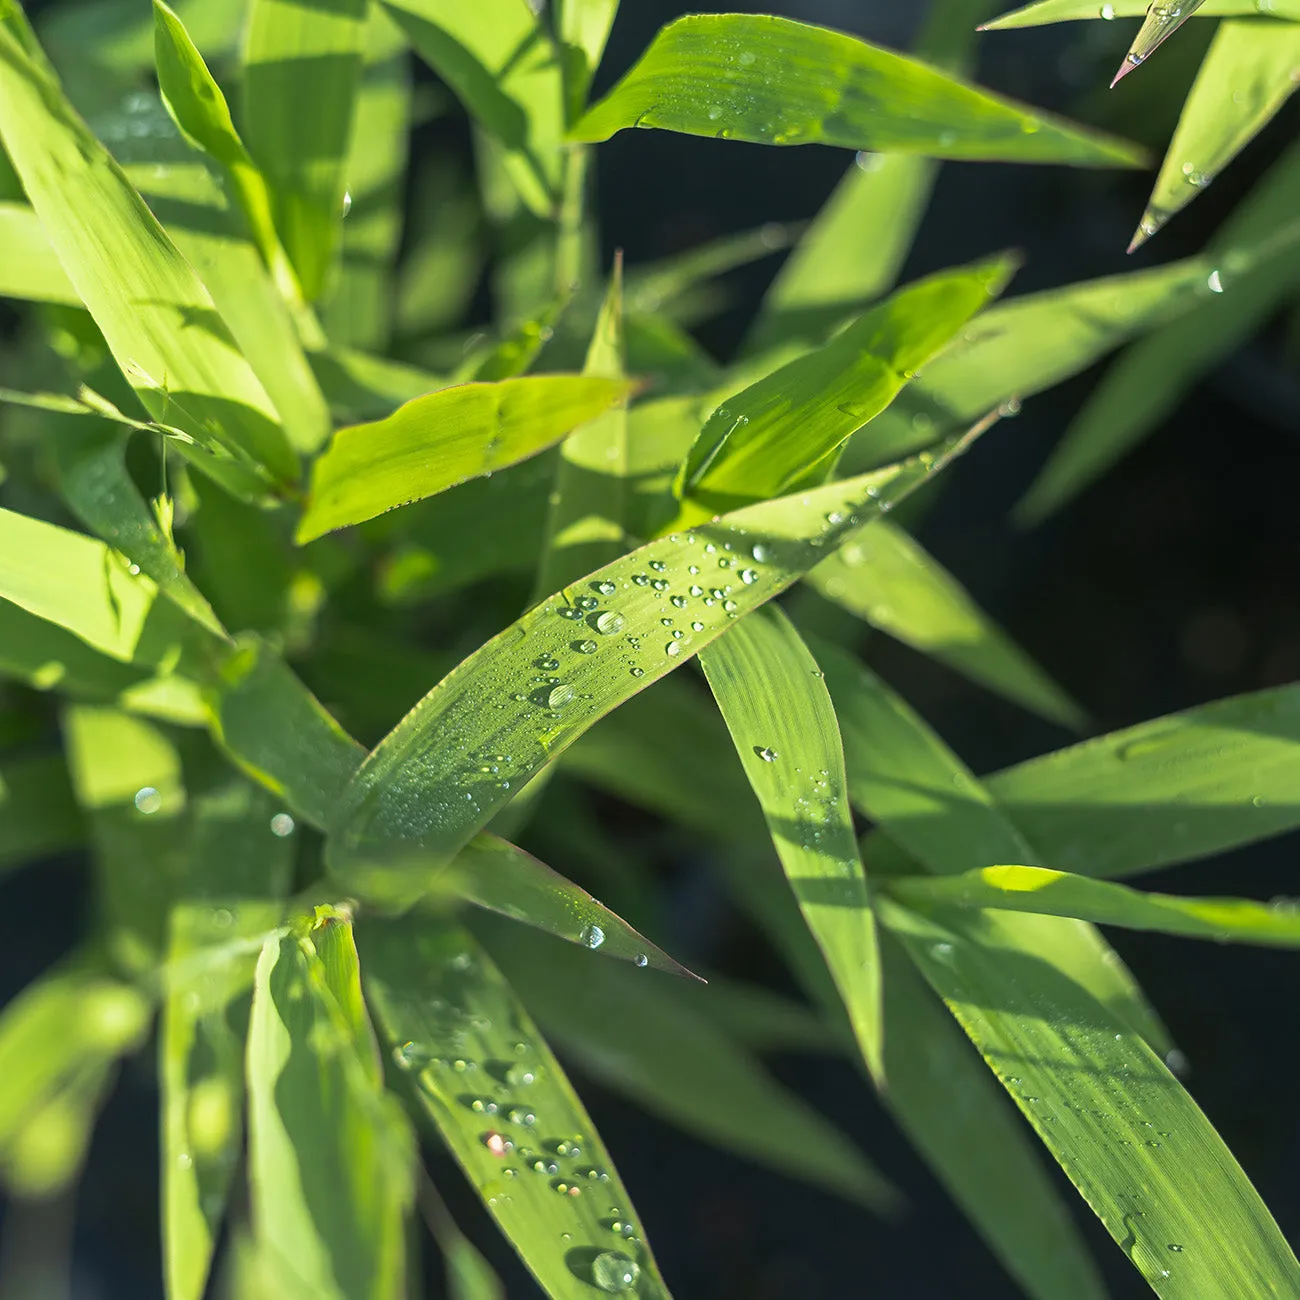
429 763
487 1080
38 815
1251 70
330 1157
774 81
632 1034
1057 893
296 55
1142 1154
157 317
890 581
783 432
437 441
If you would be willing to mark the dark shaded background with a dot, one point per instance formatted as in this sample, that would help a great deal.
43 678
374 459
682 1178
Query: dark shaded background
1171 582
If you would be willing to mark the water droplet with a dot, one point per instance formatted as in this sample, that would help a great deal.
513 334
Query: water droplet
186 1161
568 611
697 626
1107 12
605 587
282 825
609 623
1177 1249
558 696
678 601
696 591
546 664
614 1273
642 959
638 672
592 936
1215 283
587 603
585 647
223 918
658 566
748 577
672 649
148 800
759 552
660 584
641 579
766 754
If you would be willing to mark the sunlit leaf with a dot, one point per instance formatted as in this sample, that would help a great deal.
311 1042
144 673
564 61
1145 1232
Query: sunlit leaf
632 1035
501 1102
330 1157
1060 11
775 81
583 28
29 267
434 442
1142 1154
1251 70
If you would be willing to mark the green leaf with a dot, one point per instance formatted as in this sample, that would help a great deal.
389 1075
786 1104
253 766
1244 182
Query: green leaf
583 28
503 67
783 724
434 442
586 523
296 55
784 430
632 1034
157 317
330 1156
1142 1154
1251 70
774 81
1057 893
905 779
240 866
1061 11
86 587
1160 23
1257 266
1175 788
889 580
38 815
498 1097
420 796
952 1112
469 1275
29 267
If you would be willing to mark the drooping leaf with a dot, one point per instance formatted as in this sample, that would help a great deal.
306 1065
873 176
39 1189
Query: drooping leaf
1057 893
155 314
1142 1154
774 81
428 766
330 1156
38 815
296 55
783 431
29 267
434 442
887 578
631 1035
489 1083
1260 61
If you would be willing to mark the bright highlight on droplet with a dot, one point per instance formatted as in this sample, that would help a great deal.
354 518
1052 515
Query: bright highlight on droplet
282 825
147 800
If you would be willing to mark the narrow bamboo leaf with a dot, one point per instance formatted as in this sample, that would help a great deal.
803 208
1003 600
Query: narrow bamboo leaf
240 866
504 68
783 725
887 578
1057 893
905 778
1143 1155
1160 23
360 310
583 28
1061 11
409 798
295 55
330 1157
277 732
97 486
1257 255
59 1039
1260 61
492 873
86 587
38 815
1179 787
855 248
29 267
216 210
938 1090
630 1034
155 314
1023 346
498 1097
775 81
437 441
586 525
773 436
